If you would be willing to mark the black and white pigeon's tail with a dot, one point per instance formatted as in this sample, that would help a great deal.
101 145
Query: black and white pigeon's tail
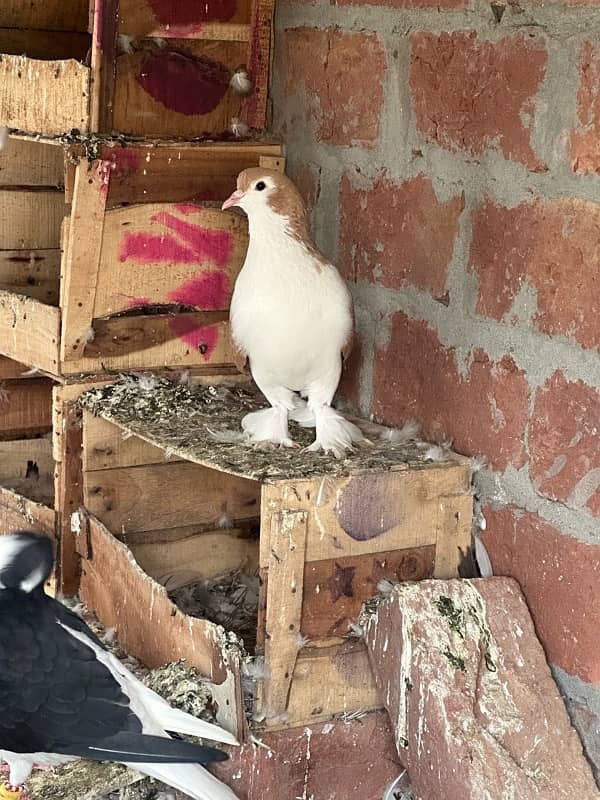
26 561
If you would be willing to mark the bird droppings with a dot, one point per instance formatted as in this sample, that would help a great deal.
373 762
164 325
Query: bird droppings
230 601
203 423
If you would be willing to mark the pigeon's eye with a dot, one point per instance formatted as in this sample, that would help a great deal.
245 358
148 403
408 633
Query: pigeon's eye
260 186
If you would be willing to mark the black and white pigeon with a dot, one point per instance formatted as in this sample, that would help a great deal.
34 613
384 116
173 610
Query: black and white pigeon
63 696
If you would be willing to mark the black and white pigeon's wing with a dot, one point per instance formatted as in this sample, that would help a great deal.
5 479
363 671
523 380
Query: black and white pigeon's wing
61 692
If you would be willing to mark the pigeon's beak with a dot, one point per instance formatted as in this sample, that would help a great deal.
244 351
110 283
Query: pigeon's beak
233 199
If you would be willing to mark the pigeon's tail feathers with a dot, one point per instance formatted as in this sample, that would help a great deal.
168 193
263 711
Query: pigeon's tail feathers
335 434
173 719
26 561
140 748
191 779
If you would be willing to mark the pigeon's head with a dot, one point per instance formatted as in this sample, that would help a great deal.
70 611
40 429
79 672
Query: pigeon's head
263 193
25 561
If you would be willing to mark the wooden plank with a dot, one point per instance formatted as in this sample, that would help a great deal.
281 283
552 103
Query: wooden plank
18 457
103 61
158 254
259 63
71 15
82 257
35 273
136 112
25 408
369 513
195 558
329 682
134 498
44 45
17 513
334 590
68 497
140 342
11 369
104 447
143 18
287 543
454 528
152 628
25 162
29 331
170 173
49 96
29 218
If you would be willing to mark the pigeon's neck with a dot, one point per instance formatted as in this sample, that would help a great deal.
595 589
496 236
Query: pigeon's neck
269 231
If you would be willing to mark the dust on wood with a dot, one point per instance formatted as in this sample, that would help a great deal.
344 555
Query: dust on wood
203 425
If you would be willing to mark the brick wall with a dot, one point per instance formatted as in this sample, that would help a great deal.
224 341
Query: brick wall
450 150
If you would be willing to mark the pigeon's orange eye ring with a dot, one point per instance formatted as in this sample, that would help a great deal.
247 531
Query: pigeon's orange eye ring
260 186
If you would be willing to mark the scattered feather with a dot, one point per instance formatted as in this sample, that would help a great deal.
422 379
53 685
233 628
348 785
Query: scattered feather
239 129
159 42
355 630
302 641
482 558
184 378
436 452
148 383
3 137
225 521
407 433
89 335
255 668
478 463
241 83
227 436
75 522
327 728
125 43
385 587
29 372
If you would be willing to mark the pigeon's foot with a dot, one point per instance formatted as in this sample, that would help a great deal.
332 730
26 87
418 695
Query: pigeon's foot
335 434
268 425
302 414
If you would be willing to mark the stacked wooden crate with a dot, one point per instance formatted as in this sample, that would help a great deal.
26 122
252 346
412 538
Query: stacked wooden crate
126 134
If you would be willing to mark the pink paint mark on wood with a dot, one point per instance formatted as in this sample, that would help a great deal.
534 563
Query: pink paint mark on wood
192 12
126 161
149 248
209 292
202 338
98 23
182 83
188 208
215 245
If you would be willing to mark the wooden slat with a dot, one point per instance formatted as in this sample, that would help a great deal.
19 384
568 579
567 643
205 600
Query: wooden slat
135 499
104 447
287 543
49 96
17 513
194 558
49 15
30 219
137 113
29 331
25 162
16 456
157 253
103 61
453 535
35 273
68 495
82 257
334 590
25 408
139 18
259 62
371 513
152 628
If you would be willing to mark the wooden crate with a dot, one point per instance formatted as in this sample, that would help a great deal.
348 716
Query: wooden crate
138 67
319 532
124 262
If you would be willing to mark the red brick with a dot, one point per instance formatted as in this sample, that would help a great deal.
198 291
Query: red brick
398 233
587 725
564 442
585 141
554 246
342 76
417 377
403 3
472 95
559 576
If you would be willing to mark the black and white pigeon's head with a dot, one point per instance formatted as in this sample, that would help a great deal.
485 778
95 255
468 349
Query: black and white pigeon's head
26 561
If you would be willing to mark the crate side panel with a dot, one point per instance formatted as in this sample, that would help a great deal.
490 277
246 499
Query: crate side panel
25 408
104 447
30 219
21 457
180 18
17 513
25 162
179 90
29 332
134 498
169 253
69 15
48 96
35 273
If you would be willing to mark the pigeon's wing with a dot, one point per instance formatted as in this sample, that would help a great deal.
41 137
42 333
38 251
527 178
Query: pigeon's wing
57 697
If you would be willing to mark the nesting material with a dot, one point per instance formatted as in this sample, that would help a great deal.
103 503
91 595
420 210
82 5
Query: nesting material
201 424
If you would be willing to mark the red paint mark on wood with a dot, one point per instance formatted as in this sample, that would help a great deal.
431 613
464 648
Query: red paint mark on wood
192 12
188 208
203 338
210 245
98 23
184 84
209 291
126 161
149 248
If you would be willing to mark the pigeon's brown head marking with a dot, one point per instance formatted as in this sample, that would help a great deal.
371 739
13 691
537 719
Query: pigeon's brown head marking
262 191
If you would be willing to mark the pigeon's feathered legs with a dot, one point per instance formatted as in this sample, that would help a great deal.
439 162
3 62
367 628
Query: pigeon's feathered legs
335 434
271 424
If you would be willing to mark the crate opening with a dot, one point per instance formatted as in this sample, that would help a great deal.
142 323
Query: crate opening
43 45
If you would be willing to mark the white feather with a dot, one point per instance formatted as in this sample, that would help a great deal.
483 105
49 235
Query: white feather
239 128
407 433
482 557
241 83
436 452
226 436
125 43
385 586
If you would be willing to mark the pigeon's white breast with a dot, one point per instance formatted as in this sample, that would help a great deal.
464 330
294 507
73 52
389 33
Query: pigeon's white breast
290 313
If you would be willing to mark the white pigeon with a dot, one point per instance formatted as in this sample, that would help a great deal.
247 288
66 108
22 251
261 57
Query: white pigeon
291 317
63 696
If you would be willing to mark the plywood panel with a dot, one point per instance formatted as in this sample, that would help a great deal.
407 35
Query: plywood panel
30 219
134 498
